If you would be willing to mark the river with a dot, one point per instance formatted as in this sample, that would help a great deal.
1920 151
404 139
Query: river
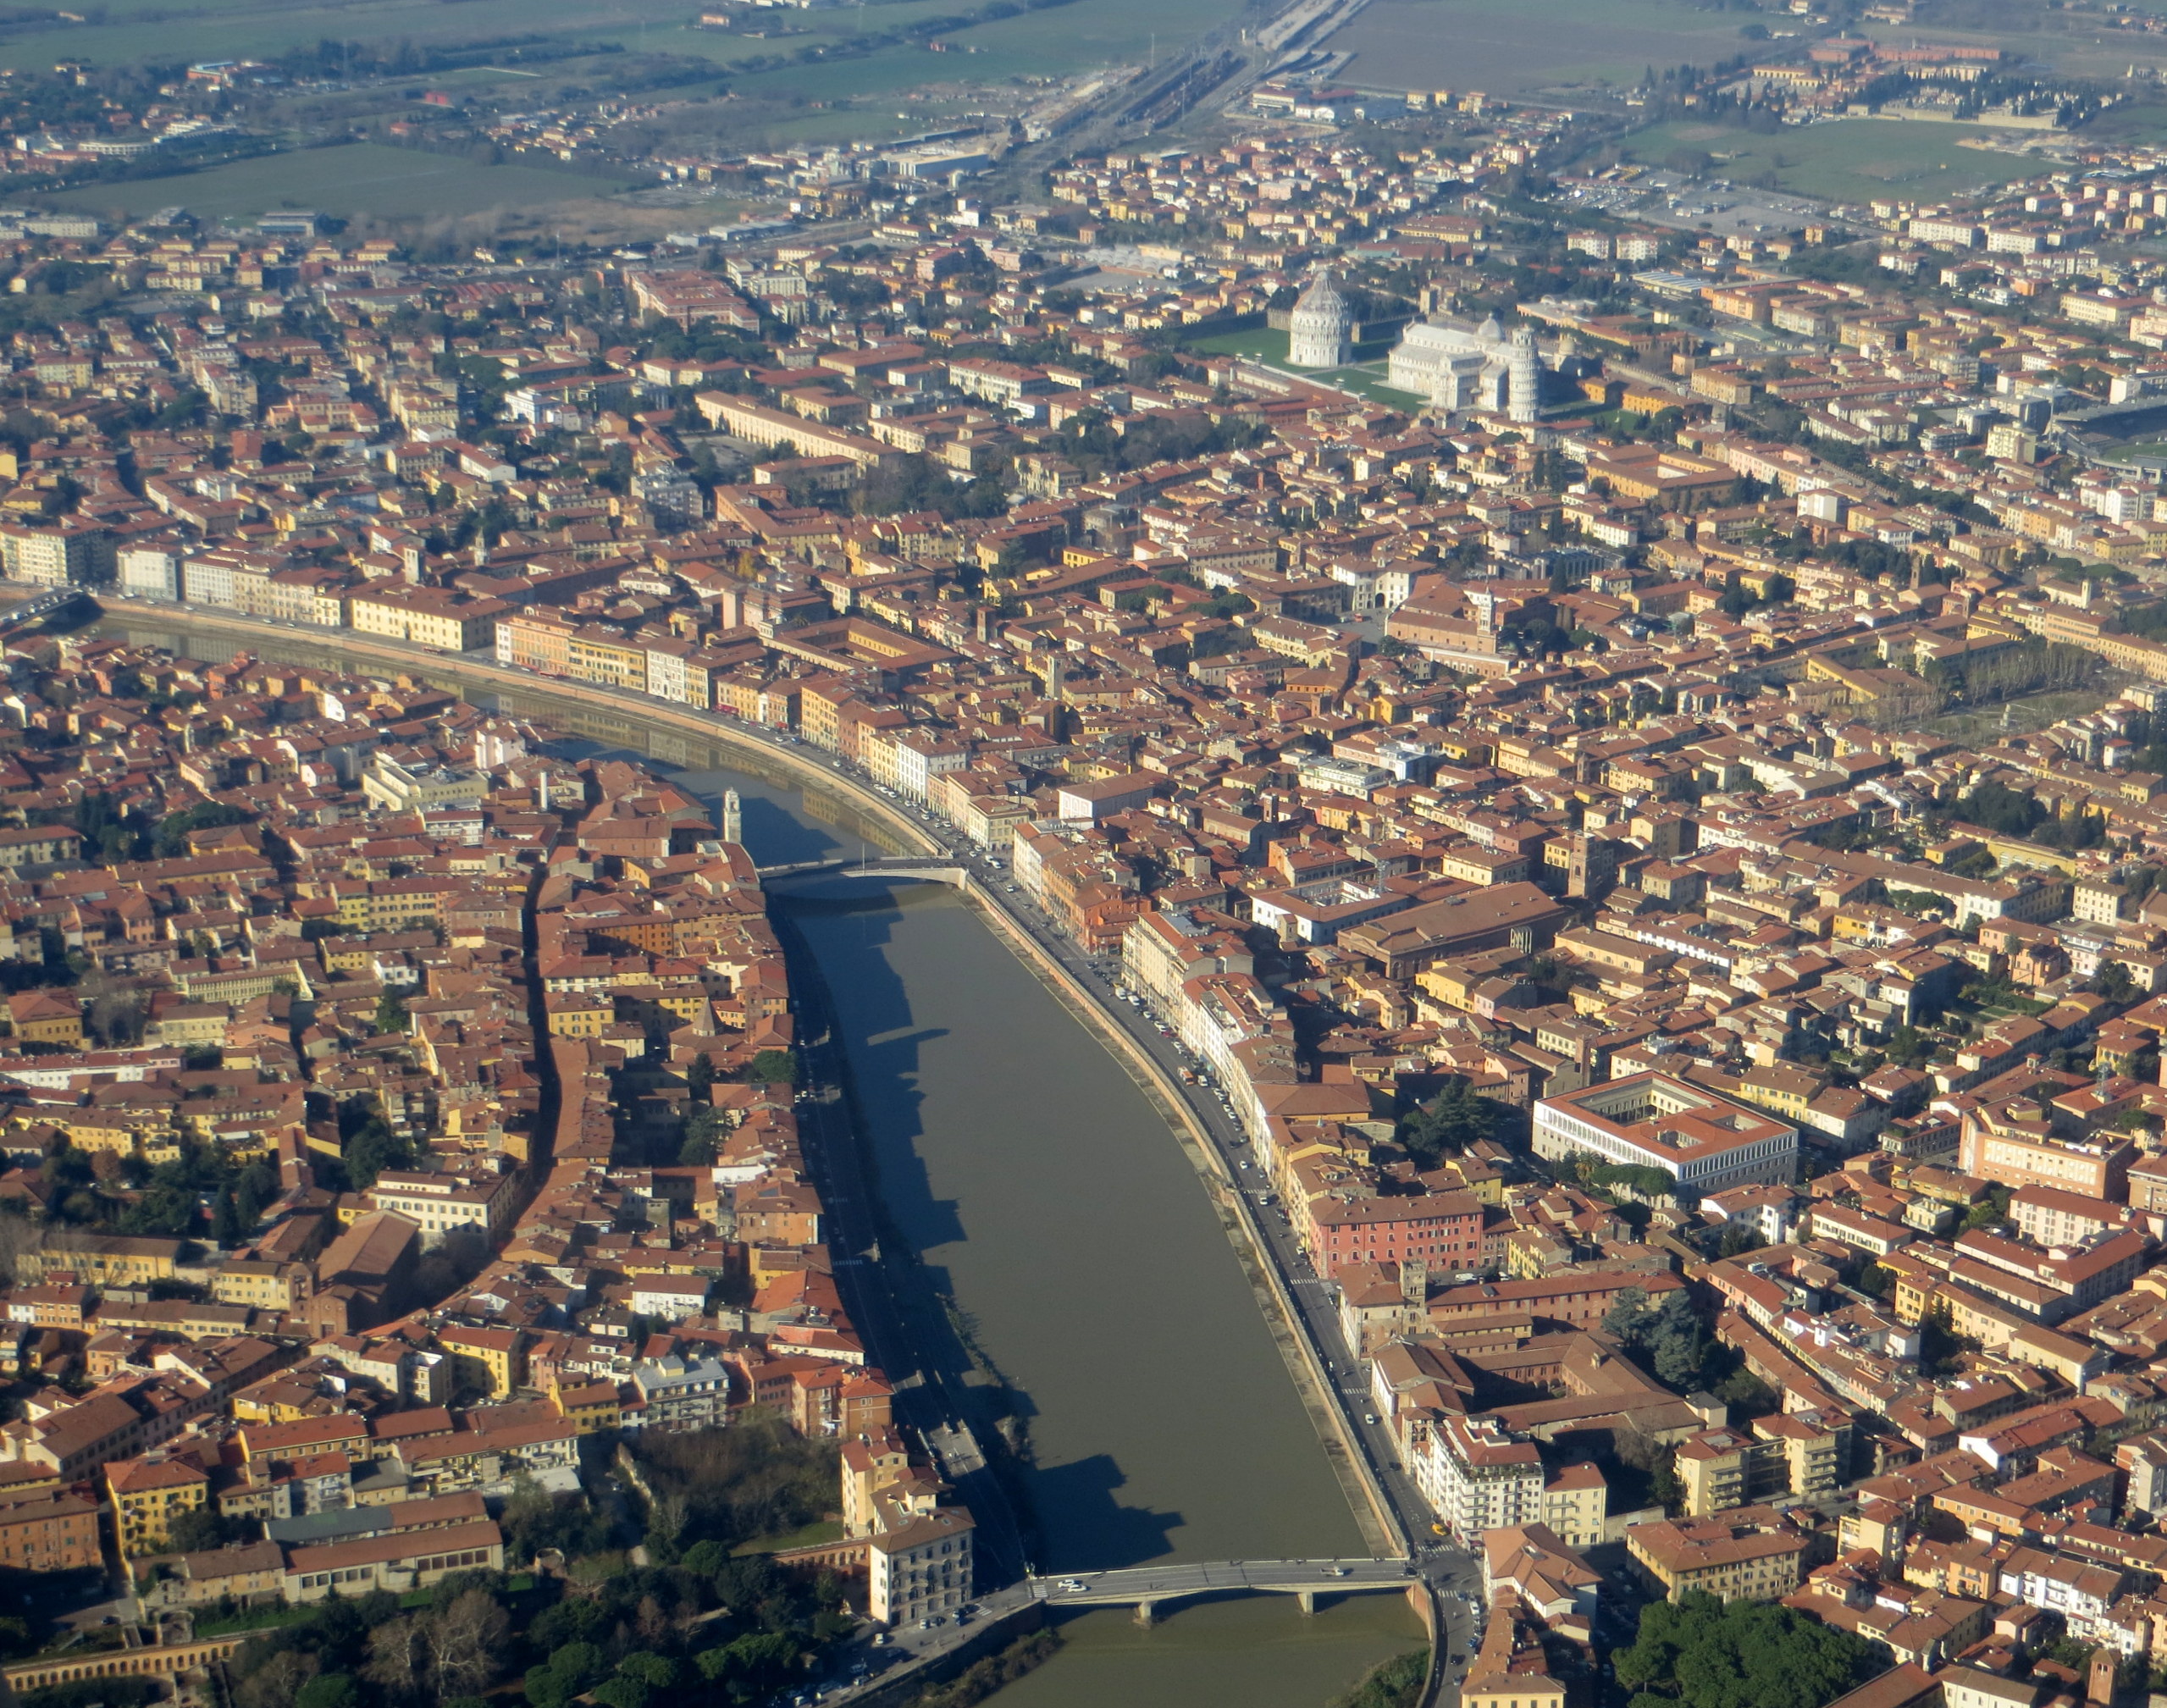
1048 1199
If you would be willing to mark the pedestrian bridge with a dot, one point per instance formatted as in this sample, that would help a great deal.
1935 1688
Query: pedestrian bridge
939 869
1145 1588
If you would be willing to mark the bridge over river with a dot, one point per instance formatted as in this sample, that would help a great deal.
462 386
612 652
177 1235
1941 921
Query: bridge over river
933 868
1145 1588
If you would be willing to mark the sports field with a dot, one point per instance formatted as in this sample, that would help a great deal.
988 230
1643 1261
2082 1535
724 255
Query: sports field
1851 160
359 178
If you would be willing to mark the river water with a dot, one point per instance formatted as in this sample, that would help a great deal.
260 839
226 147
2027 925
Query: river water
1051 1202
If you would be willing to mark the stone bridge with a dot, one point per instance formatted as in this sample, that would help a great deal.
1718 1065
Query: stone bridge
1146 1586
939 869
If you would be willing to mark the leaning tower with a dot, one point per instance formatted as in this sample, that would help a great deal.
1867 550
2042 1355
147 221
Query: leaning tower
1524 376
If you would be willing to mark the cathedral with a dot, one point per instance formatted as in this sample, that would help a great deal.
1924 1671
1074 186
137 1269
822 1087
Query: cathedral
1482 369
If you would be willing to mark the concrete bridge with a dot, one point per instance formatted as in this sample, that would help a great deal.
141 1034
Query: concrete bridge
50 603
1146 1586
937 869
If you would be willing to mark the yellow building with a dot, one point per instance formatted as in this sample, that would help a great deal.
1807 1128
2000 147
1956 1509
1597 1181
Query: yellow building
1749 1554
430 616
594 657
591 1408
492 1359
45 1017
148 1493
579 1013
260 1285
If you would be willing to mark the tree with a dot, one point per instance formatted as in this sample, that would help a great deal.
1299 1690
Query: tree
774 1068
1457 1117
699 1078
1989 1211
277 1682
199 1530
570 1672
390 1012
373 1148
1667 1335
398 1659
1704 1653
467 1643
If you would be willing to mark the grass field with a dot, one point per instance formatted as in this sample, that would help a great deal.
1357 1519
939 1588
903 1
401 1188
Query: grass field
1852 160
1984 724
1364 376
805 1536
1500 46
361 178
1060 40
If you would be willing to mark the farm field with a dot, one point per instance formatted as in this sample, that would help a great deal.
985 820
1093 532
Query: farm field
361 178
177 30
1064 40
1851 160
1503 46
1058 40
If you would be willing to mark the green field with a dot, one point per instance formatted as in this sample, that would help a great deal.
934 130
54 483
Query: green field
1365 376
1502 46
176 30
1061 41
1851 160
360 178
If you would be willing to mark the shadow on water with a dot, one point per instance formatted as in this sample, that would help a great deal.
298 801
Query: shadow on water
1074 1506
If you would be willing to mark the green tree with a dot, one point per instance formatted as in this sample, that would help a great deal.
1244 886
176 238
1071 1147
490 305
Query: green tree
1457 1117
199 1530
1989 1210
390 1012
774 1068
1704 1653
702 1132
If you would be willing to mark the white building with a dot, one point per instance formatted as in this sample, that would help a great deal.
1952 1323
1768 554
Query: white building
1476 1475
1706 1143
1321 332
1456 368
920 1568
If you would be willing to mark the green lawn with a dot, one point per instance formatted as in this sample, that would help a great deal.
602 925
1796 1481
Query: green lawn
359 178
805 1536
1851 160
256 1619
1364 376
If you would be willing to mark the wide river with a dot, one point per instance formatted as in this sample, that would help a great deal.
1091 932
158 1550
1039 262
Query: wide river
1055 1207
